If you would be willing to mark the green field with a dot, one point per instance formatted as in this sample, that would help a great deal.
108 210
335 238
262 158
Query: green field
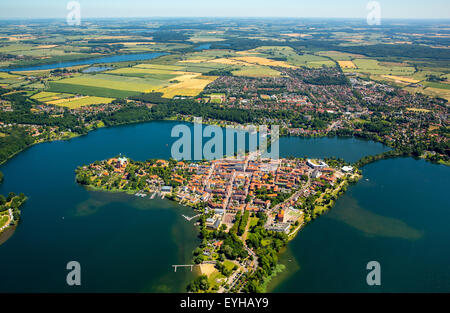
157 74
374 67
229 265
3 220
74 103
293 57
105 85
256 71
437 85
90 90
48 96
172 80
19 47
4 75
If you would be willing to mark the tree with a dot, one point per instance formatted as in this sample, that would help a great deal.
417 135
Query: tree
197 251
199 284
10 196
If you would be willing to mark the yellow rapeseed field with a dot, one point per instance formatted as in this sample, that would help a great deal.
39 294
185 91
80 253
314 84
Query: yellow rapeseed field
347 64
401 79
263 61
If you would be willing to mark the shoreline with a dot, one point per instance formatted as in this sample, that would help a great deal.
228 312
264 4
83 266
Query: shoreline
291 237
7 233
318 199
218 124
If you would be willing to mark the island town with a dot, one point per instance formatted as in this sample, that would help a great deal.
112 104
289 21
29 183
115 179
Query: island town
246 209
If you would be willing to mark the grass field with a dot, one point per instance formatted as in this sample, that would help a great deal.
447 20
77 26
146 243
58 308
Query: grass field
436 85
256 71
19 47
252 63
77 102
90 90
171 80
105 85
4 219
229 265
4 75
292 57
49 96
214 277
152 73
181 79
434 92
374 67
401 79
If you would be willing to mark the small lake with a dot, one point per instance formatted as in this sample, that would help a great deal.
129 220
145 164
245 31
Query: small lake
204 46
128 244
101 60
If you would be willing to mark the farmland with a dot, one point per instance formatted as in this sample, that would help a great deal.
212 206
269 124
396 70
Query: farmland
196 56
346 64
311 78
77 102
374 67
256 71
90 90
189 85
105 85
68 100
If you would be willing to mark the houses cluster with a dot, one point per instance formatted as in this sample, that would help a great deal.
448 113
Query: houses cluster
226 186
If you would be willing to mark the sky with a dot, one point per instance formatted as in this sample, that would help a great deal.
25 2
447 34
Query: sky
415 9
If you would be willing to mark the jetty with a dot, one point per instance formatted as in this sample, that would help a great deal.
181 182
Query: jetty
190 218
183 265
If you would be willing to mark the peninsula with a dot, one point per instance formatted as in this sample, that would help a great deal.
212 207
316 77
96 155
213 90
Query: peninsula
9 214
247 209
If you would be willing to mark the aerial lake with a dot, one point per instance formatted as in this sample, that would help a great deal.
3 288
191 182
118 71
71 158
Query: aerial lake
101 60
398 214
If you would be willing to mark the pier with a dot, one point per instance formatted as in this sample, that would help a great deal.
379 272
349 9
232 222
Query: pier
183 265
190 218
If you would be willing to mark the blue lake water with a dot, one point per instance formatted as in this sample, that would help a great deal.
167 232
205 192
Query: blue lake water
109 59
203 46
399 217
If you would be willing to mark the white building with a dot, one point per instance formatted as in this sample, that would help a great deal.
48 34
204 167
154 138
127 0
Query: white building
316 166
347 169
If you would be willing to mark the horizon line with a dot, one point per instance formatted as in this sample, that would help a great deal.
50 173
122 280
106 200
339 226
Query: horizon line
224 17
